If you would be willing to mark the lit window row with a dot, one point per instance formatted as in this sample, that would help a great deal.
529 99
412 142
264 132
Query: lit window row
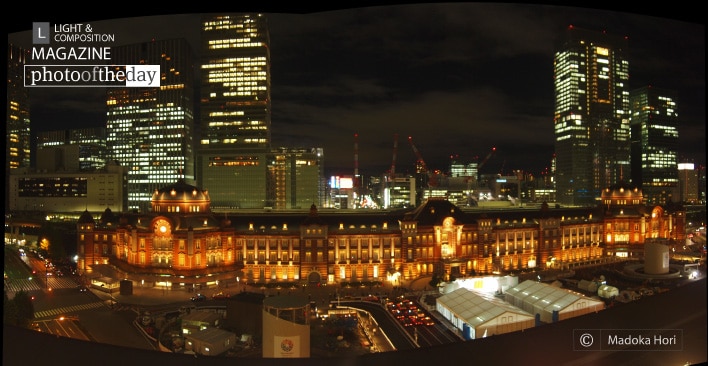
225 114
236 45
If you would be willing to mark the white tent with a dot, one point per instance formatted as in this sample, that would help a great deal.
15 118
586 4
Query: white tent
551 303
478 315
589 286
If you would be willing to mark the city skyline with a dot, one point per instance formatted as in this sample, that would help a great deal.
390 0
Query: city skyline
334 76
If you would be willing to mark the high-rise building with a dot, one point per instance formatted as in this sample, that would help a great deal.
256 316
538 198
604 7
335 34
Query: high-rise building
655 140
89 144
151 130
17 124
235 76
297 176
234 149
17 139
688 177
591 118
701 169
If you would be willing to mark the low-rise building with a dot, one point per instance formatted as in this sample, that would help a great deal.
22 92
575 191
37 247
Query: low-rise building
209 342
181 243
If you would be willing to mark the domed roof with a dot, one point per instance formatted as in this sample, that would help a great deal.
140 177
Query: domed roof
86 218
180 191
622 190
107 216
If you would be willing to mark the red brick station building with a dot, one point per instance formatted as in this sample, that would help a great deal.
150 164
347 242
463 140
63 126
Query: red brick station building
182 244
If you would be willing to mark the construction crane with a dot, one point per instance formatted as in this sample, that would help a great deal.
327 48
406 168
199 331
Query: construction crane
392 174
356 164
486 159
431 178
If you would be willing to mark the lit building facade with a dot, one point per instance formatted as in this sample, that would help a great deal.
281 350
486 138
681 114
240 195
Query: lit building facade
235 75
236 179
179 237
400 193
688 191
296 177
280 178
235 146
591 118
655 141
17 139
69 191
629 223
183 243
341 192
17 118
235 111
89 144
150 130
462 169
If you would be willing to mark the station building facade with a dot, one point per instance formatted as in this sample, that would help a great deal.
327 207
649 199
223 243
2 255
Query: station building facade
182 243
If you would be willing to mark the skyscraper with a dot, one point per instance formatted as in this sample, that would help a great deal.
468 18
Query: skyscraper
688 177
233 155
17 139
17 125
151 130
655 140
591 118
235 76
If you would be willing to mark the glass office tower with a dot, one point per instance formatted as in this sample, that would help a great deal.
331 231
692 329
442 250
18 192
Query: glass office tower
17 122
235 104
235 76
151 130
591 119
17 139
655 142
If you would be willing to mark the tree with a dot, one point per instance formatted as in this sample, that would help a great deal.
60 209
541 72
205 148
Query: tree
24 307
51 240
434 281
9 311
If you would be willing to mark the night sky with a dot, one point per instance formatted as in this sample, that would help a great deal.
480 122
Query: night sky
459 78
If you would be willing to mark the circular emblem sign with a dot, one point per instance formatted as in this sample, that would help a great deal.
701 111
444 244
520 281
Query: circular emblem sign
286 345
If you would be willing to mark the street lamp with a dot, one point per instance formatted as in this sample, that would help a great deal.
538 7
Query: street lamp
46 274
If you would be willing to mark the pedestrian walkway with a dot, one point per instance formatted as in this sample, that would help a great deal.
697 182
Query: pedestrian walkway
153 296
53 313
146 296
61 282
17 285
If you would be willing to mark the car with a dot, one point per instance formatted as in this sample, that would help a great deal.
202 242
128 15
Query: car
220 296
186 308
82 288
198 297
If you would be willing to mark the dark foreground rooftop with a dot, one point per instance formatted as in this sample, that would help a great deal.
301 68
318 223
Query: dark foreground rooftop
683 309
